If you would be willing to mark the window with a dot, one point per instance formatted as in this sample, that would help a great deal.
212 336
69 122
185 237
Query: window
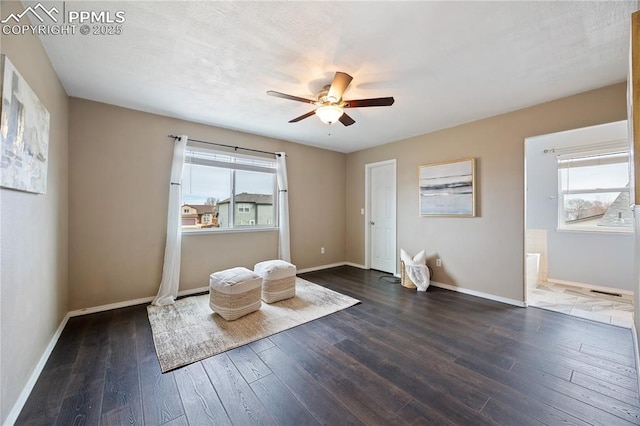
594 189
236 191
185 210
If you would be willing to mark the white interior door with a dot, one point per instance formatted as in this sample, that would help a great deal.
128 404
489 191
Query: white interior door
382 216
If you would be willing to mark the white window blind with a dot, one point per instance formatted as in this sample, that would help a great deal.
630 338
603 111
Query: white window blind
215 182
594 187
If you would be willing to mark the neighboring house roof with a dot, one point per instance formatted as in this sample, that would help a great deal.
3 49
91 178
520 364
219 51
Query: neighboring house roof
202 208
251 198
619 213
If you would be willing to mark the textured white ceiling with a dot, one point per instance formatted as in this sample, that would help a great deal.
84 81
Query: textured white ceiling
445 63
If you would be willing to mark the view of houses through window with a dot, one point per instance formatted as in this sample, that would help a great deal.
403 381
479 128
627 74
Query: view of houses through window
221 190
594 191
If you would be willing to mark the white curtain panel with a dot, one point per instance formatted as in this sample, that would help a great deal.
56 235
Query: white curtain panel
171 269
284 249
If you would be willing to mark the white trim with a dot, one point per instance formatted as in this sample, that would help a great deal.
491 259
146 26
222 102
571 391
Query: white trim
367 208
110 306
127 303
367 217
193 291
476 293
355 265
321 267
209 231
331 265
590 286
35 374
525 287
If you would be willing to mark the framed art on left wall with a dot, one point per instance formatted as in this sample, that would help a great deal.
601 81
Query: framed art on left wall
24 133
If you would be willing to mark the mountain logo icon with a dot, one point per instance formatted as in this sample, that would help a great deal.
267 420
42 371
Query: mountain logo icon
36 11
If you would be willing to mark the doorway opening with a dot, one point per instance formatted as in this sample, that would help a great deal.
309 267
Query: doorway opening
578 227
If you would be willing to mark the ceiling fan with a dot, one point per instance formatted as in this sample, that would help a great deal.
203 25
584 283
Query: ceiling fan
329 103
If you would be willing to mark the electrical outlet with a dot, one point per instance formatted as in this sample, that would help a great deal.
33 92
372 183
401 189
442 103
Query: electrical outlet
439 263
321 250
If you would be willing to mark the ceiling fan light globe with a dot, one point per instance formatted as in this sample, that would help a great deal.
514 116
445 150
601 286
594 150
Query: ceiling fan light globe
329 114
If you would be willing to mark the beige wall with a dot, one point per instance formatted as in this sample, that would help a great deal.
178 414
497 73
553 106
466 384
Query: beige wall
119 179
485 253
33 247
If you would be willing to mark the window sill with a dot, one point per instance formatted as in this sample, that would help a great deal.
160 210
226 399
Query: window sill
209 231
612 231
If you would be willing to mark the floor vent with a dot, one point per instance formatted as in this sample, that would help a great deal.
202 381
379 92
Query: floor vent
606 292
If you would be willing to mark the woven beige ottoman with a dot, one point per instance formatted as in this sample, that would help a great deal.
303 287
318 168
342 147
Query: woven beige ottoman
278 280
234 292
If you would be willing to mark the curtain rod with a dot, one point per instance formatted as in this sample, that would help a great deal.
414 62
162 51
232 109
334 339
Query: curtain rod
231 146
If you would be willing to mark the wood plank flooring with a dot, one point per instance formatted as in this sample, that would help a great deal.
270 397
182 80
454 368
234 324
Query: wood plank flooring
399 357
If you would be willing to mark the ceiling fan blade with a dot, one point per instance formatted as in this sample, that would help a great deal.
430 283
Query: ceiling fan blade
359 103
290 97
302 117
340 83
346 120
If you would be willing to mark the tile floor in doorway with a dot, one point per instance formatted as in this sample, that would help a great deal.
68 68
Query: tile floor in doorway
581 302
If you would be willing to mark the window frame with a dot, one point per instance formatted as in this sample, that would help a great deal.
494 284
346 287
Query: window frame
568 154
233 167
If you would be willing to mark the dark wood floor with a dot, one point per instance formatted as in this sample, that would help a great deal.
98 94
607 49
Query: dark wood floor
399 357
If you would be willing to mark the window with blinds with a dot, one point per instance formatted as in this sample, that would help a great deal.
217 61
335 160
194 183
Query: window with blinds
594 189
224 191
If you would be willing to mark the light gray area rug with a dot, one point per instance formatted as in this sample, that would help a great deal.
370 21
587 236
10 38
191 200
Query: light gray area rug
188 331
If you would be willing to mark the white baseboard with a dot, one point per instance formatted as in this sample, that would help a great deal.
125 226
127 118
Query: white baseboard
331 265
321 267
35 374
476 293
127 303
590 286
110 306
204 289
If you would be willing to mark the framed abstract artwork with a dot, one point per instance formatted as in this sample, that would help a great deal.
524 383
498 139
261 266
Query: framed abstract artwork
448 188
24 133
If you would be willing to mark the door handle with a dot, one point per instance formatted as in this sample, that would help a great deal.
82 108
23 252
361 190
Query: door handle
372 222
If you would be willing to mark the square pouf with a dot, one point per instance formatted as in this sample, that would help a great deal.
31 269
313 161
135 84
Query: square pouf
234 292
278 280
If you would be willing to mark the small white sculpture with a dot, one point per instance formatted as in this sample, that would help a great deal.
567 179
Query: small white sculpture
416 268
